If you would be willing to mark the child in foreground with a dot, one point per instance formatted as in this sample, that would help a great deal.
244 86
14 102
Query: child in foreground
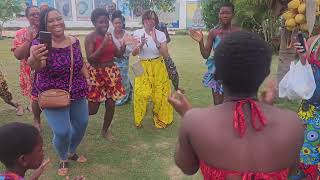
22 149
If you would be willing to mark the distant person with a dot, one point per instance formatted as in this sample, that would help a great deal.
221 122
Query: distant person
215 37
163 28
44 6
241 138
111 8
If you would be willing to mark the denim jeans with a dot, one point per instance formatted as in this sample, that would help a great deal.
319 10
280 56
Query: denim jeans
68 125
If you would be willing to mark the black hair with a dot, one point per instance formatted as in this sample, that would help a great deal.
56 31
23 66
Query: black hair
117 14
44 19
229 5
16 139
28 10
97 13
243 62
150 14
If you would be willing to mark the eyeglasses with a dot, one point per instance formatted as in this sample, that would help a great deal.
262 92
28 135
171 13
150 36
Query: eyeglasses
34 14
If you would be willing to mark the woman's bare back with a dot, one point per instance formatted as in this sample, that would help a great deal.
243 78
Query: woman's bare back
217 143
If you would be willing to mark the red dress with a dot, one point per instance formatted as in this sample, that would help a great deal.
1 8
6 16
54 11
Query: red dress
25 78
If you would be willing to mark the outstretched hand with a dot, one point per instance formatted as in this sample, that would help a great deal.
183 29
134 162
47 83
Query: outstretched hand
197 35
130 40
38 172
179 102
269 94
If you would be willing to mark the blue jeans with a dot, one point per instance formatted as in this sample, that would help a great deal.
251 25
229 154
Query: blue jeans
68 125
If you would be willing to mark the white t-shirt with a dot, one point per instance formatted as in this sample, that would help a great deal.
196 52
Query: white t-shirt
150 50
111 28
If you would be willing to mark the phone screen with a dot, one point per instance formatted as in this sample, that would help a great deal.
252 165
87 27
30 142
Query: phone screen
45 38
301 41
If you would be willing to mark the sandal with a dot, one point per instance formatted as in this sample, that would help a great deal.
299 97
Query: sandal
79 159
63 168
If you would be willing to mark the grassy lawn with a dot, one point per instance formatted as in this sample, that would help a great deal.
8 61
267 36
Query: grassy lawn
145 153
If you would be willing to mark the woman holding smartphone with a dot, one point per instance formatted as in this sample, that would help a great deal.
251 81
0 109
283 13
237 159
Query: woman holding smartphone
154 82
52 66
309 110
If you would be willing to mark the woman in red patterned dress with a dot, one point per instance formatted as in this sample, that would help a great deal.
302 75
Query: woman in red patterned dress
21 50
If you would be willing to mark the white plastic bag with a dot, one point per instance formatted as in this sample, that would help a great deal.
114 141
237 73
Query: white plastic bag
298 83
284 91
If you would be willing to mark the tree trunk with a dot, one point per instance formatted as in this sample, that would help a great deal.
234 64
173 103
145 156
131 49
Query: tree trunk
1 30
286 54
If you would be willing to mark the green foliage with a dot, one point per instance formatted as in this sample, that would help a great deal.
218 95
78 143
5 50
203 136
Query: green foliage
251 14
256 16
162 5
210 11
8 9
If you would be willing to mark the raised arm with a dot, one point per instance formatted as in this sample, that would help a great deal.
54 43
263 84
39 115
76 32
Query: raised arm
299 49
185 156
119 52
38 57
89 44
198 36
137 48
21 50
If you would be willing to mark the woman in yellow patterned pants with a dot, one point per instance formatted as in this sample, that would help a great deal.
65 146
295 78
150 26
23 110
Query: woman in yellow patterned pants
154 83
6 95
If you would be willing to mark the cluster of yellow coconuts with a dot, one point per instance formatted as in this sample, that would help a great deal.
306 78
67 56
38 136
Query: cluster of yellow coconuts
295 17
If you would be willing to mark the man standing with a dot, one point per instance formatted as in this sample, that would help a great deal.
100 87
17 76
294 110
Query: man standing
111 8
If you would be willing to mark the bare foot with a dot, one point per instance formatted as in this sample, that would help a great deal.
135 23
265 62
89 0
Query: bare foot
29 108
139 126
19 110
107 135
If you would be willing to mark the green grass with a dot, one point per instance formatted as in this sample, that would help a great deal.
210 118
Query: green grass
145 153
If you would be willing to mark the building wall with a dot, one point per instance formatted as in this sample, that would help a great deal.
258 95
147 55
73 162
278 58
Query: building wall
76 13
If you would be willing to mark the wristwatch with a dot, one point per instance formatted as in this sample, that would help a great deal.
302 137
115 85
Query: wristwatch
158 45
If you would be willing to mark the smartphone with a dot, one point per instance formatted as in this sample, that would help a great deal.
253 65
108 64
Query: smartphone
46 38
300 39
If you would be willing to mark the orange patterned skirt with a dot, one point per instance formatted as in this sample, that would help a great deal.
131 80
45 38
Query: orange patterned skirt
105 83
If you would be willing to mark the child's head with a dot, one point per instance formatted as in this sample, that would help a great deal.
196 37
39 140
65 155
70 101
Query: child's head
20 146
